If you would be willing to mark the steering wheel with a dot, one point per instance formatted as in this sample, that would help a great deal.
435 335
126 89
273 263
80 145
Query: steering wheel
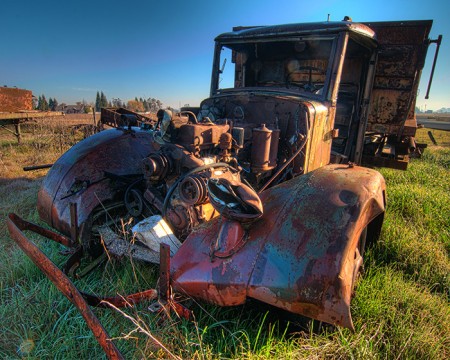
308 86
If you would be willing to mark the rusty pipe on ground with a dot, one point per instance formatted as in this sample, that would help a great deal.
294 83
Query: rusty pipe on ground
37 167
63 283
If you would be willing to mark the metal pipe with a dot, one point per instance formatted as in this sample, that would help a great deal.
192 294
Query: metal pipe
63 283
438 45
37 167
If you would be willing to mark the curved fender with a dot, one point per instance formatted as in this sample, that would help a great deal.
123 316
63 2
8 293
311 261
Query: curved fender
300 256
117 151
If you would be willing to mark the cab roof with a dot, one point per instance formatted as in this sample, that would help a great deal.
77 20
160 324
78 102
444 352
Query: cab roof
286 30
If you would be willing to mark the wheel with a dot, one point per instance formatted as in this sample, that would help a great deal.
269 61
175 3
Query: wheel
134 202
105 214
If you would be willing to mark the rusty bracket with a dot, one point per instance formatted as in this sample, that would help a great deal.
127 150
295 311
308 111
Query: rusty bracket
166 304
164 273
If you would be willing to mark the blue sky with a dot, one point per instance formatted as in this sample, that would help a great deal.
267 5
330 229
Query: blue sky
70 49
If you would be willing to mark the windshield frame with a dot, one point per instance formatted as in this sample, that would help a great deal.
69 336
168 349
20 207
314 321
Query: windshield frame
326 92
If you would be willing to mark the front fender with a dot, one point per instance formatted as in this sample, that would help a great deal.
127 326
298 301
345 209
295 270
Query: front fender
116 151
300 256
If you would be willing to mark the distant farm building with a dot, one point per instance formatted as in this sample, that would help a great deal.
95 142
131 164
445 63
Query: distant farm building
78 108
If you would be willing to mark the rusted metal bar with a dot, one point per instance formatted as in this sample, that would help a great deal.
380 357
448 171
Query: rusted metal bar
120 301
26 225
37 167
63 283
165 300
438 45
9 130
164 272
433 140
74 223
28 115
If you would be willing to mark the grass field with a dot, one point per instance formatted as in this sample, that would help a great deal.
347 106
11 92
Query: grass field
401 308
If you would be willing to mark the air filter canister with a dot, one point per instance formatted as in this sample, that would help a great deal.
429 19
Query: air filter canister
261 138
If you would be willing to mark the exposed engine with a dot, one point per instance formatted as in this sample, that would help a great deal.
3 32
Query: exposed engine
191 152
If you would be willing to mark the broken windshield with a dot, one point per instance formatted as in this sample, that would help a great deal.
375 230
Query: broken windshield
300 65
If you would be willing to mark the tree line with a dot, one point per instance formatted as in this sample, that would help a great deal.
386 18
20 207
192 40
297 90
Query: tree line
101 101
44 105
137 104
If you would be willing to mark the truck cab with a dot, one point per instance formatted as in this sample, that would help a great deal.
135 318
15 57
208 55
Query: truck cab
353 85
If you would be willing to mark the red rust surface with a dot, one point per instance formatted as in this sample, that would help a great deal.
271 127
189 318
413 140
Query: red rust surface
401 57
300 256
12 99
115 151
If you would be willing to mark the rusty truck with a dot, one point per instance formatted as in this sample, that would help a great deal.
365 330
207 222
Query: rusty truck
266 190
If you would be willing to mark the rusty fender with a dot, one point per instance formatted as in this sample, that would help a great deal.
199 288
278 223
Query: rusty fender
300 256
78 176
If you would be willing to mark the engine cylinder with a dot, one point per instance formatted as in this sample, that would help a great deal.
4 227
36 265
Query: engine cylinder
261 138
274 141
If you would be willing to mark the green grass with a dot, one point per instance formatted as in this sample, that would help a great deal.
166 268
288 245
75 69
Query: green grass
401 308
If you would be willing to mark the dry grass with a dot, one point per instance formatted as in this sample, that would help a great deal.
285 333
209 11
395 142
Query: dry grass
43 141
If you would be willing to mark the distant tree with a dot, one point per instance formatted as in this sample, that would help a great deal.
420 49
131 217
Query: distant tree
42 103
55 104
154 104
135 105
103 100
97 102
146 105
50 103
87 109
